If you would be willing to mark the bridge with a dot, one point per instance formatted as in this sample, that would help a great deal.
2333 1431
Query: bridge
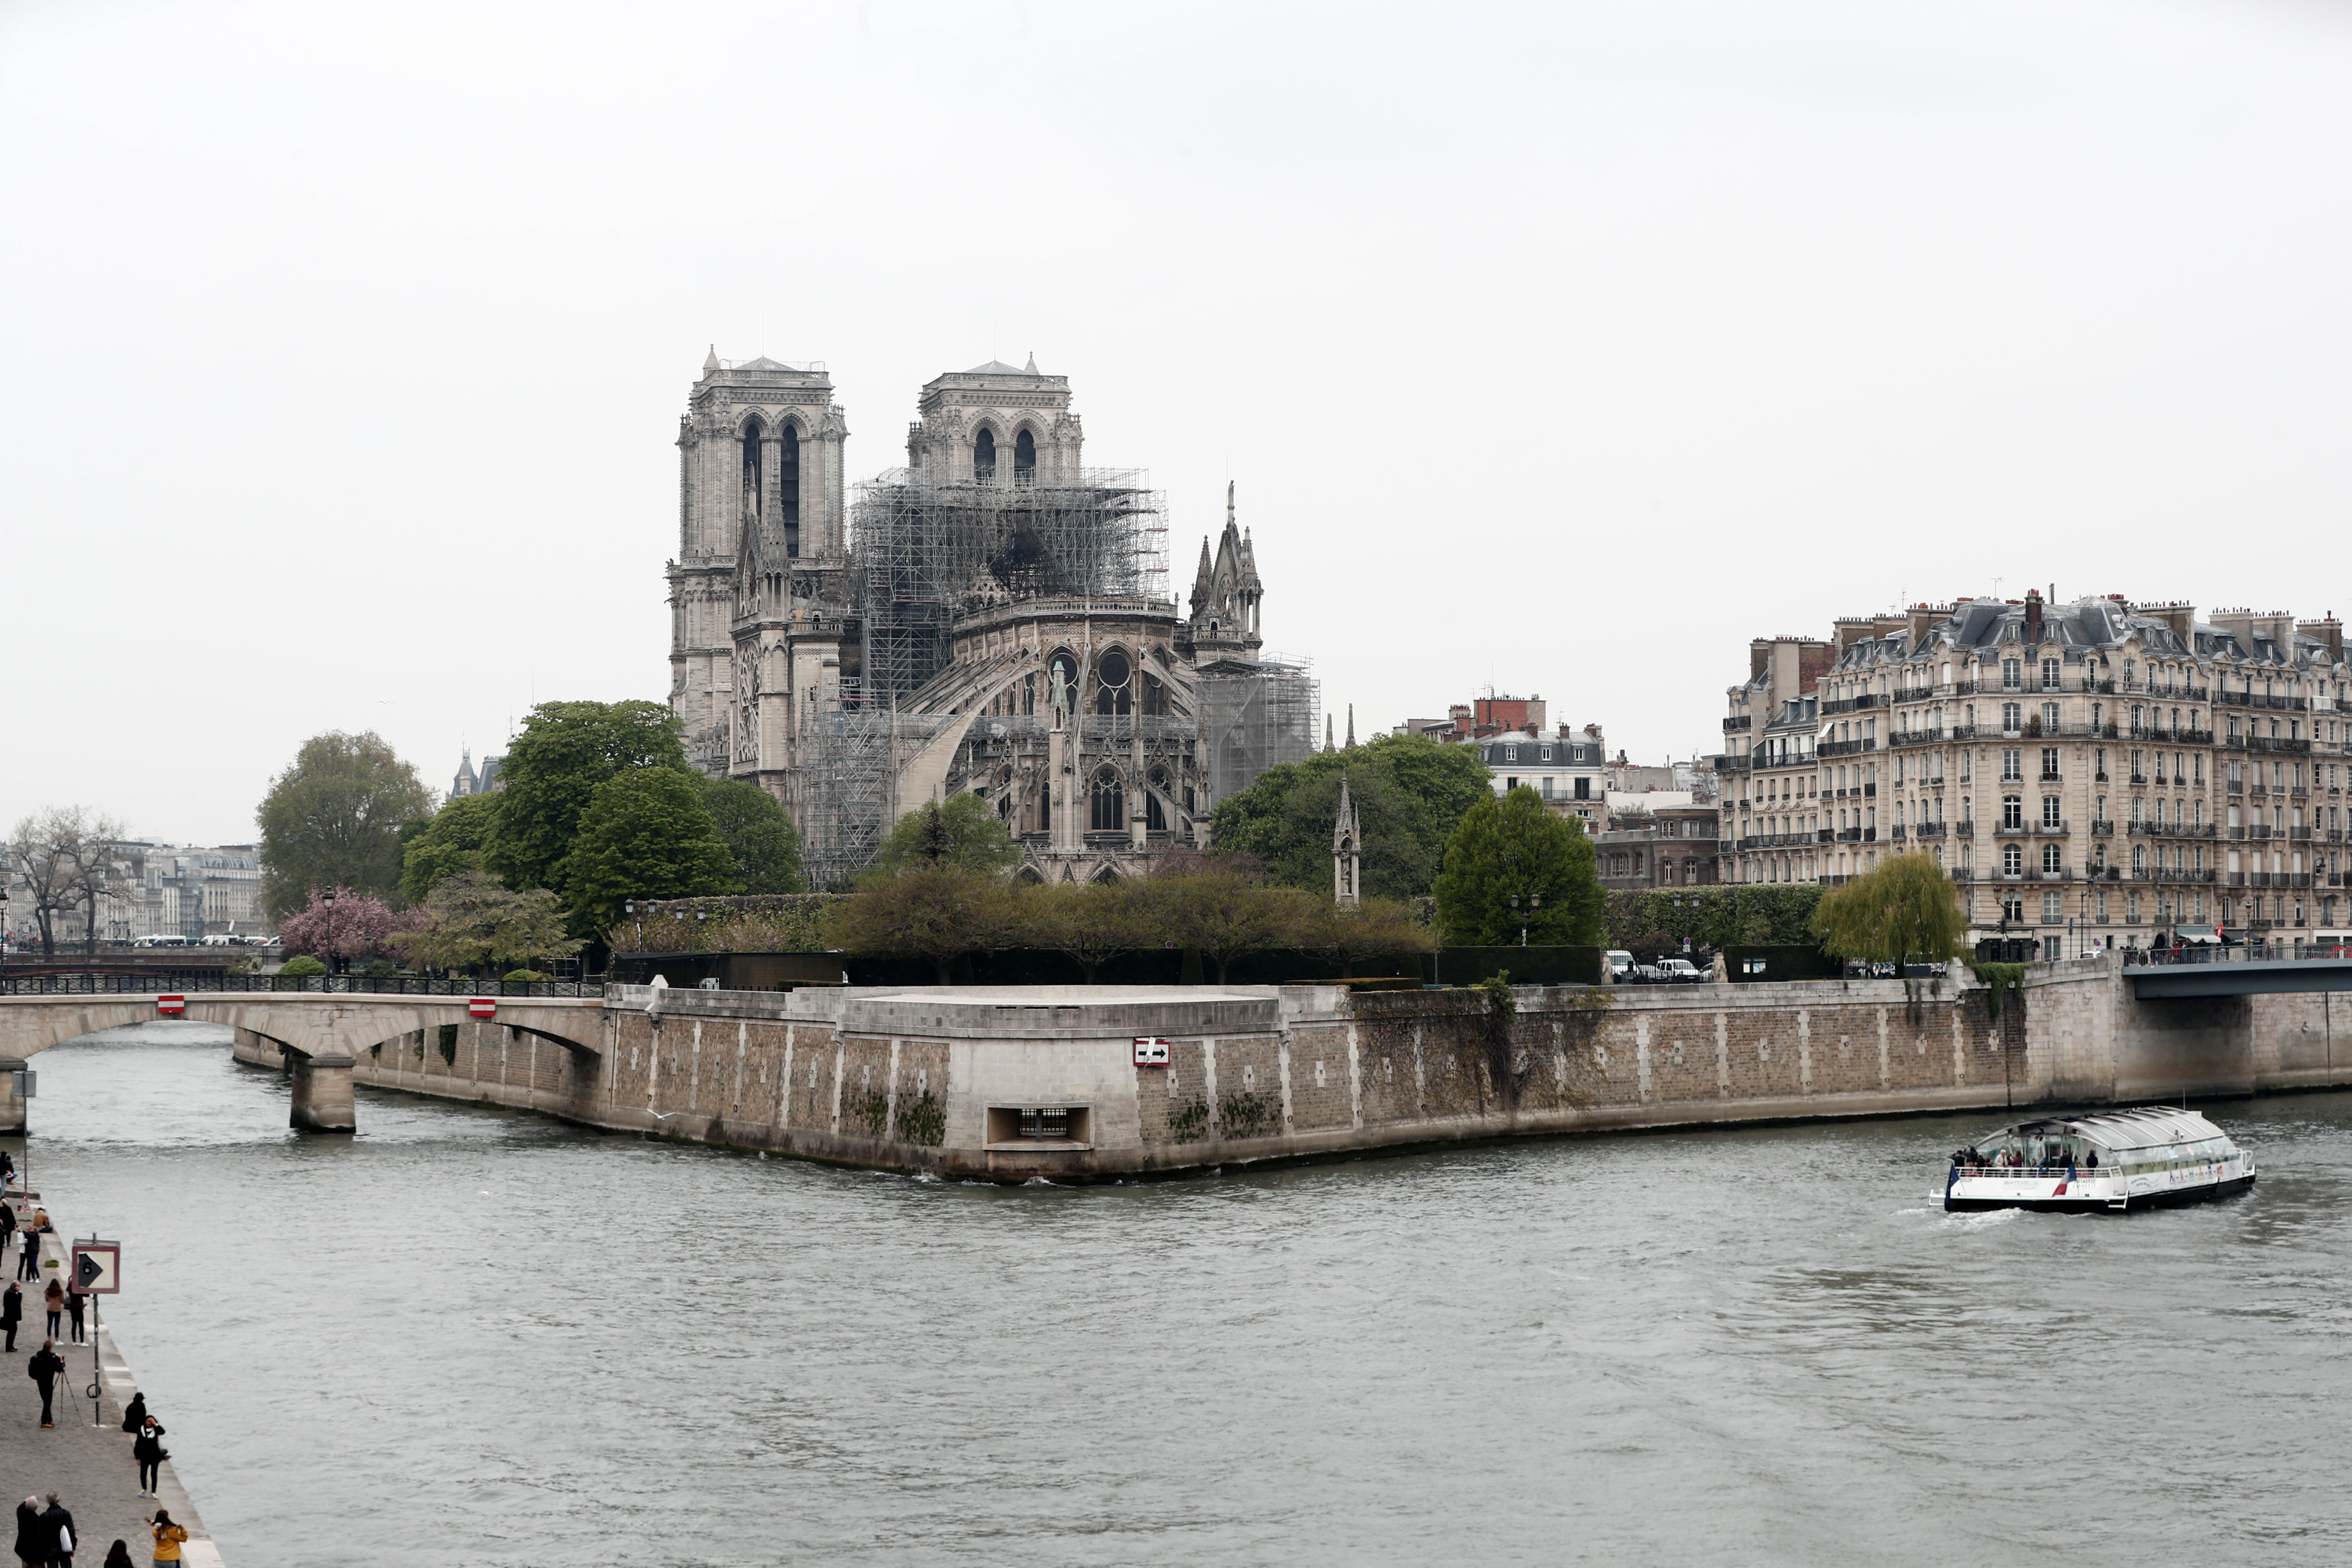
2184 973
320 1034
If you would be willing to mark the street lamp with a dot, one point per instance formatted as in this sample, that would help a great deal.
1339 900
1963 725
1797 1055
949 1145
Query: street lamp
1535 902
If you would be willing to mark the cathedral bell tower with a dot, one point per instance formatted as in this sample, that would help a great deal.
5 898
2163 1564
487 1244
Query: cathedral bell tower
761 525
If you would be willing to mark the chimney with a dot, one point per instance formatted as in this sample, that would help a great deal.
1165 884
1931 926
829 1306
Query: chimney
1917 621
2330 630
2033 618
1760 658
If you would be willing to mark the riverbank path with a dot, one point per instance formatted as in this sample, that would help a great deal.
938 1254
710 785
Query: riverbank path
88 1465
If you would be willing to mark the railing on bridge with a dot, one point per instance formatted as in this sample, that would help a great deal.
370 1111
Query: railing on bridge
2260 953
358 985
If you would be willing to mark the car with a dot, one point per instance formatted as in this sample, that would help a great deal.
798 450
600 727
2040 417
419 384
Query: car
219 941
1679 972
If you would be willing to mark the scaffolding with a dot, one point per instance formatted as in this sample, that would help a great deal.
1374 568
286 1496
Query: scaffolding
927 546
1255 714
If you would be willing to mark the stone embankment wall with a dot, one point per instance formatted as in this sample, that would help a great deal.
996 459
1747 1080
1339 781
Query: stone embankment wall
935 1078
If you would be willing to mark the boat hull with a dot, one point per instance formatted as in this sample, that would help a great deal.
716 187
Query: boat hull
1959 1201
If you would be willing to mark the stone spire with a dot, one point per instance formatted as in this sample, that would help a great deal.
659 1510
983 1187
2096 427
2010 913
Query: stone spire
711 359
1032 368
1351 727
1327 732
1346 851
1202 579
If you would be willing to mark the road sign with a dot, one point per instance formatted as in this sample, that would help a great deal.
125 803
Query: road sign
23 1083
483 1007
171 1006
97 1266
1152 1052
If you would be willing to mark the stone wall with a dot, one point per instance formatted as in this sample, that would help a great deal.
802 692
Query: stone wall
909 1079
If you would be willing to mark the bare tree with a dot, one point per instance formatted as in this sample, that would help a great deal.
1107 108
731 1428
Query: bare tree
98 872
60 856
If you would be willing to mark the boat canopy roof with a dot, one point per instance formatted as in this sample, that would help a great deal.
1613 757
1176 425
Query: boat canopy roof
2145 1127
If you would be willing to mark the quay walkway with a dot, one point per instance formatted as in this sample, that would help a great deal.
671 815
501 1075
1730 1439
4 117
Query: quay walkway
88 1465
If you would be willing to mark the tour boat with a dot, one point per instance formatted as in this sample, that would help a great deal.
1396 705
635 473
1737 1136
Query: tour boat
2101 1163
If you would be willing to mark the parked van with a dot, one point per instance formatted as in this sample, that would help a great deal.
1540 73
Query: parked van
161 942
1621 965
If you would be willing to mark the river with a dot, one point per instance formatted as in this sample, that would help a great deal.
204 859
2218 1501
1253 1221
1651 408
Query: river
473 1337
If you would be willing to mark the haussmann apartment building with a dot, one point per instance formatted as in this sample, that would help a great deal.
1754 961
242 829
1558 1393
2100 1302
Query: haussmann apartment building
2091 774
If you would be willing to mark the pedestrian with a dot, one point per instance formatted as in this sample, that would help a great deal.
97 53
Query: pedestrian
76 1303
7 1223
46 1367
12 1312
134 1414
119 1555
30 1550
149 1450
168 1537
28 1266
57 1527
53 1301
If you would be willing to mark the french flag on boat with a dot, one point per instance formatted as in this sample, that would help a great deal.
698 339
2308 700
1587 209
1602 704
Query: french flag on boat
2069 1178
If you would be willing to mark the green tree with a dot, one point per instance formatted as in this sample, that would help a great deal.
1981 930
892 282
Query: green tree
1905 909
1089 923
1222 913
1749 914
472 920
1517 846
765 846
1409 792
963 832
936 913
334 819
644 834
451 843
1378 928
565 752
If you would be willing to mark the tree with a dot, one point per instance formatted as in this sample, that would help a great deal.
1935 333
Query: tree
1222 913
645 834
472 920
350 926
54 853
962 833
1903 911
1349 935
452 842
565 752
1517 846
1749 914
1409 792
332 820
1089 923
765 846
936 913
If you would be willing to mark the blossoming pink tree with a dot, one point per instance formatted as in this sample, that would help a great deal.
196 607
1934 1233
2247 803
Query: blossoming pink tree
353 926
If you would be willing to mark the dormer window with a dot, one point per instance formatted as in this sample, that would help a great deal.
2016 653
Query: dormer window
1510 754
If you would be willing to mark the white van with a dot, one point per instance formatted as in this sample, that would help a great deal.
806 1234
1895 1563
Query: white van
1621 965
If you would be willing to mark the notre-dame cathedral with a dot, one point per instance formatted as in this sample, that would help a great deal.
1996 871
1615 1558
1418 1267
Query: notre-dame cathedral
992 619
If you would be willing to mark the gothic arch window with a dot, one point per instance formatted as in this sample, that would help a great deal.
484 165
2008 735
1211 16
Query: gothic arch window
1025 458
1153 817
752 489
1107 877
1114 683
984 456
1109 813
788 479
1028 874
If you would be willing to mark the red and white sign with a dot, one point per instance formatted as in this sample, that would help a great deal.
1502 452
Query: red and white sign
171 1006
1152 1052
483 1007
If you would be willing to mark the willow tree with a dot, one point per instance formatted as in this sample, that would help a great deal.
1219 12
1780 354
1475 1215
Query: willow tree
1906 911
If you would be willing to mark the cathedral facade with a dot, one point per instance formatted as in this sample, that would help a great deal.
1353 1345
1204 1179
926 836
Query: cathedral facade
992 619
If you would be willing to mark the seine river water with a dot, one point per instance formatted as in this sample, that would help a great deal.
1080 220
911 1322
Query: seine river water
466 1337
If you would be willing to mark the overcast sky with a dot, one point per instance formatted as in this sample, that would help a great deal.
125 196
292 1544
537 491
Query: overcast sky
1562 349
